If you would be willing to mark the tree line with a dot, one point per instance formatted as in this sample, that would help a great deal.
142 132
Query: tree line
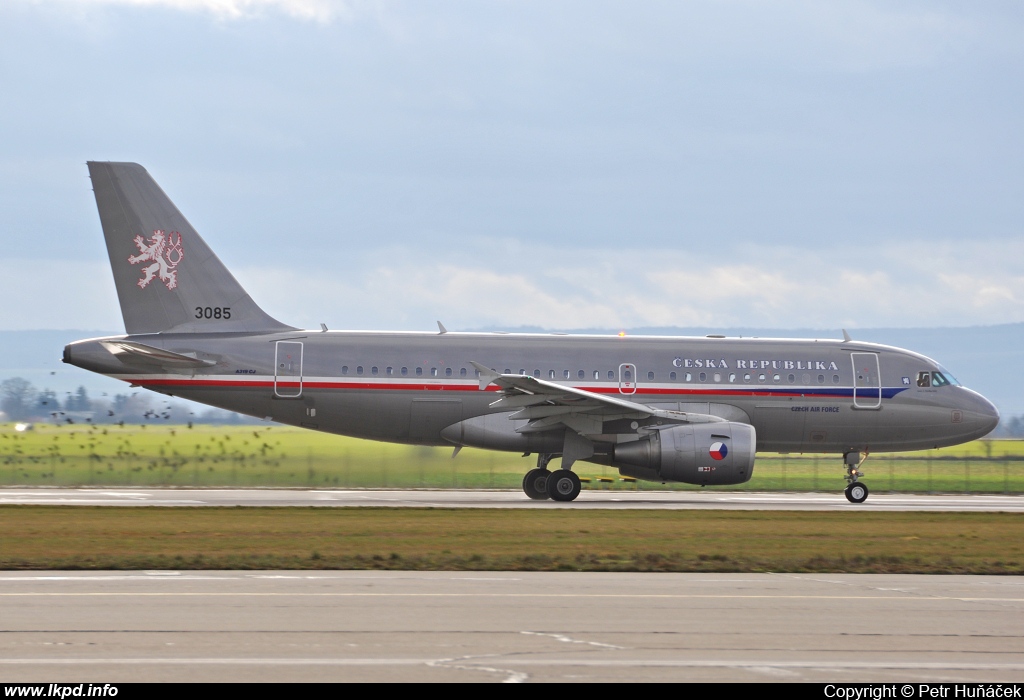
21 401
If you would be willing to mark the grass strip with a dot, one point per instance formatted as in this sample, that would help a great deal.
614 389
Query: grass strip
55 537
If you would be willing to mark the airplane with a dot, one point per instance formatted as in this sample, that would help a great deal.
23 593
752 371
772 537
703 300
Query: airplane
667 409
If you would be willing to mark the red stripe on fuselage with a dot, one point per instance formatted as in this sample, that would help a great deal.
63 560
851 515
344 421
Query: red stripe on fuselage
373 386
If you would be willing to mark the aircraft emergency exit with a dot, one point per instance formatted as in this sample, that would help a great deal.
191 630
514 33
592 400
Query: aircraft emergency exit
684 409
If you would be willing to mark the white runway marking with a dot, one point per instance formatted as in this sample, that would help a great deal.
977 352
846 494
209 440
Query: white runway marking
427 498
603 661
574 596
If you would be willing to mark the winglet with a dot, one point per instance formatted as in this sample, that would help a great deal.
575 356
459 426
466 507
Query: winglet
846 336
487 375
441 328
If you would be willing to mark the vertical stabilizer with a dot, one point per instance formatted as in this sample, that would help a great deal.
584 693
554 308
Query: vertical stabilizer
167 278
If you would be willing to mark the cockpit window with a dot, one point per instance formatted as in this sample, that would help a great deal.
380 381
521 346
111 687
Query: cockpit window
948 377
934 379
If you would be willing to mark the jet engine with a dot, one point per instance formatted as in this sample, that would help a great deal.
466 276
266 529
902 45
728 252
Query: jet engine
702 453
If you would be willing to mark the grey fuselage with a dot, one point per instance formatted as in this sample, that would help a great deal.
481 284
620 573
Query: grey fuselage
820 396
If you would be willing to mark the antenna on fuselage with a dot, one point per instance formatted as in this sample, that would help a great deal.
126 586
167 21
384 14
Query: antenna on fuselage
846 336
441 328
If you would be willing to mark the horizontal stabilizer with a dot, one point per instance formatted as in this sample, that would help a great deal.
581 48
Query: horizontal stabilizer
132 353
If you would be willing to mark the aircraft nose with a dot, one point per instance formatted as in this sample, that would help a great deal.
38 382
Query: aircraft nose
989 417
981 413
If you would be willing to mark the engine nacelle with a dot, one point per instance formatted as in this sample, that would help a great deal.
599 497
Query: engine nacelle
702 453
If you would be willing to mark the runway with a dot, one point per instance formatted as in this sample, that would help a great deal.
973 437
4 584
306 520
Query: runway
426 498
510 627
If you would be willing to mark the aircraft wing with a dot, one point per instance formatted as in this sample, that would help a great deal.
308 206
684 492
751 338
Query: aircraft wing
547 405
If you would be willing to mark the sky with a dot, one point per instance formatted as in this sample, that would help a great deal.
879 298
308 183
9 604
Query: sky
563 165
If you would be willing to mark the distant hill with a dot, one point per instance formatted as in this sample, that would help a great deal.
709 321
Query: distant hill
989 359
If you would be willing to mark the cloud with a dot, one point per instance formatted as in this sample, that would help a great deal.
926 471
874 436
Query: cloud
972 283
57 294
314 10
786 288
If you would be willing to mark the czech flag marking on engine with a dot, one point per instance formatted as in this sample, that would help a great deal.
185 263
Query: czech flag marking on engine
718 450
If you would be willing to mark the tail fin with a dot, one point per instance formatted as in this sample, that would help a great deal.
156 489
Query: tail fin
167 278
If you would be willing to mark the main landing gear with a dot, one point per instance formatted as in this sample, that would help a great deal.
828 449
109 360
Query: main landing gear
856 492
541 484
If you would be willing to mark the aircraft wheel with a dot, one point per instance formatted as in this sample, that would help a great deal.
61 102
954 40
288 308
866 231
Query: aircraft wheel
563 485
856 492
535 484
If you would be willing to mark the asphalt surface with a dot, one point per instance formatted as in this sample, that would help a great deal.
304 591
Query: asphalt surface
659 500
491 626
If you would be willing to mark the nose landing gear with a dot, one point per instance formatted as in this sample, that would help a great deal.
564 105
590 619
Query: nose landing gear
856 492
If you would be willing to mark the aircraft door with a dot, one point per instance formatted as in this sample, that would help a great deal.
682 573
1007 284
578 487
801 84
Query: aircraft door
867 380
288 369
627 379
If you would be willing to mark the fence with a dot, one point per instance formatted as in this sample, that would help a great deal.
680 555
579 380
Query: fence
208 456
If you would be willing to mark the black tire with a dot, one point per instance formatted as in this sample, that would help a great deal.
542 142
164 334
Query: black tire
535 484
857 492
563 485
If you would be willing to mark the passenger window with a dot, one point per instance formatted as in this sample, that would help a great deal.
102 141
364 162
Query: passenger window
344 369
597 375
777 377
703 376
821 379
835 378
565 374
762 377
732 377
405 371
390 371
792 379
581 374
447 371
508 371
373 371
536 373
718 376
924 379
650 376
806 379
628 375
611 375
689 377
746 376
433 371
359 369
522 372
419 371
672 376
462 372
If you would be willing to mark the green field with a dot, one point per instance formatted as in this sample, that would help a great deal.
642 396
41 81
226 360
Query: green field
76 537
273 455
